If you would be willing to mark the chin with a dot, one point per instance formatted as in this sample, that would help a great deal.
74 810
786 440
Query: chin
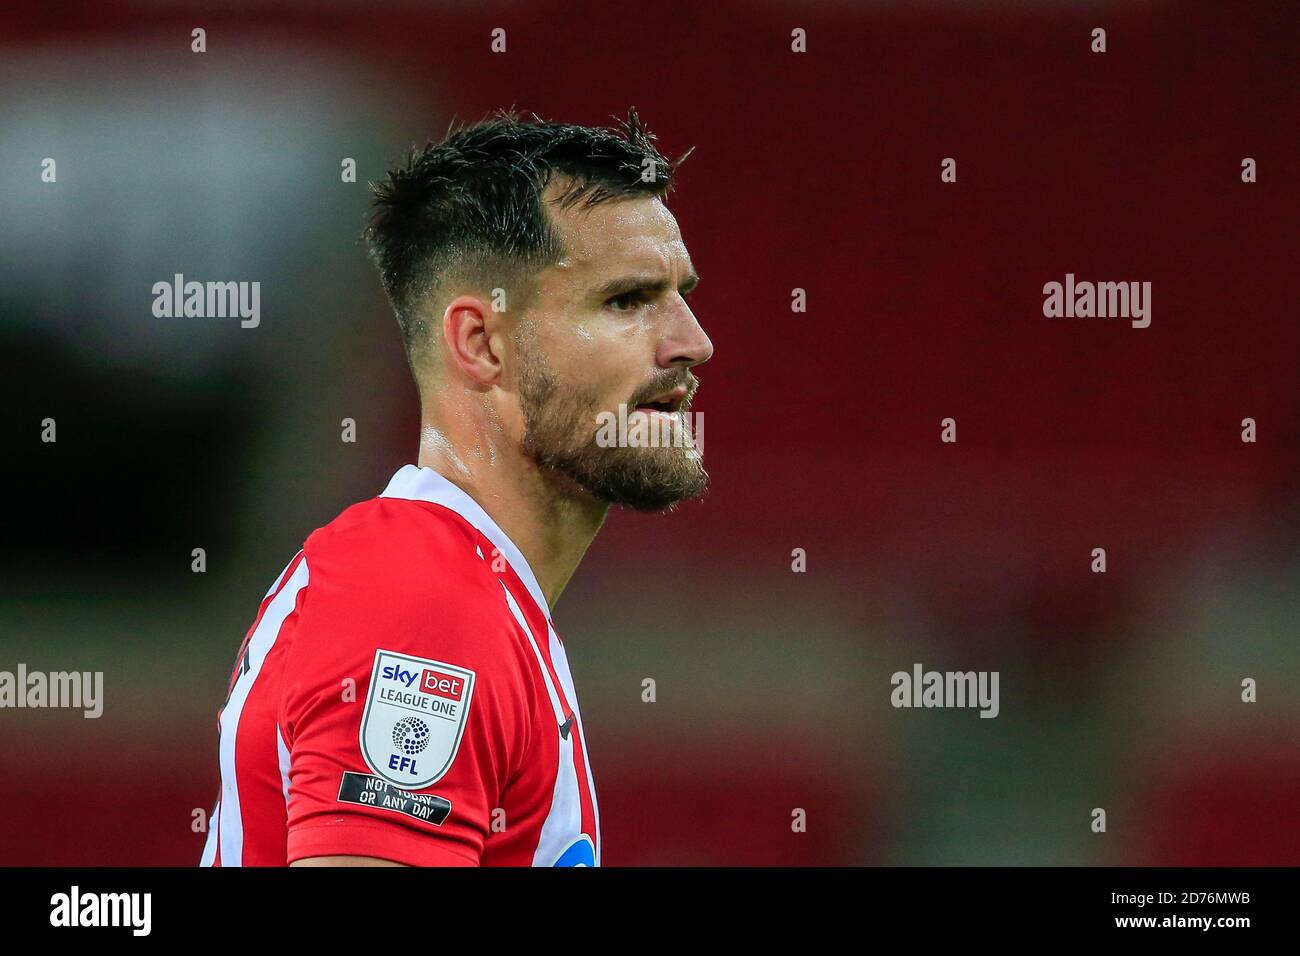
645 494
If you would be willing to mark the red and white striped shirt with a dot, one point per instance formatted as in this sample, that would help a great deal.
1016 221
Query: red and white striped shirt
402 694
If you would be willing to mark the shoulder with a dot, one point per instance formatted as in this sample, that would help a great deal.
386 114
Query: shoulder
403 576
401 554
387 535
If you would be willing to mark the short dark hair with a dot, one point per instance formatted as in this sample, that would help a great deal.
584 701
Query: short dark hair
471 204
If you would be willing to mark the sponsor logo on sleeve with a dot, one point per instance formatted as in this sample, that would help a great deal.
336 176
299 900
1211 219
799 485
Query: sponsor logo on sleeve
414 719
367 791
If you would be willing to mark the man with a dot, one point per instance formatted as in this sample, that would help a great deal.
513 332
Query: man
402 696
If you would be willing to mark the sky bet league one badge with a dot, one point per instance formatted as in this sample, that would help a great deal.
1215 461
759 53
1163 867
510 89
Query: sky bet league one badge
414 719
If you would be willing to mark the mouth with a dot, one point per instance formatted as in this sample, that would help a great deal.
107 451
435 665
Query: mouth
667 403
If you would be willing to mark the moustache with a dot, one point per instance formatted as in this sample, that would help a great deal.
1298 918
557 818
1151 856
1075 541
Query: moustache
666 383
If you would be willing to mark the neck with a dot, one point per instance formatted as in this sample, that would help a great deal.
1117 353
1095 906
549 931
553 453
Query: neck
550 526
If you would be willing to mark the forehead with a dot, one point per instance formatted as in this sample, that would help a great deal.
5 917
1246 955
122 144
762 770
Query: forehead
619 235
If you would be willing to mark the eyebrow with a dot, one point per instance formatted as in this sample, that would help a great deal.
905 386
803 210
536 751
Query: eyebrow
622 285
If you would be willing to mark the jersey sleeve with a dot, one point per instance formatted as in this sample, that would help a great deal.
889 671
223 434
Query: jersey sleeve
405 704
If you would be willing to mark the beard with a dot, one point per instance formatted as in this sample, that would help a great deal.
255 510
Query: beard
560 429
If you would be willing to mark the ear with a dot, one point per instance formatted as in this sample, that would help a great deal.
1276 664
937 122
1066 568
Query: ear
467 331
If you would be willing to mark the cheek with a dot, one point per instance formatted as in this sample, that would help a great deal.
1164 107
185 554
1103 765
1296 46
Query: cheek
608 365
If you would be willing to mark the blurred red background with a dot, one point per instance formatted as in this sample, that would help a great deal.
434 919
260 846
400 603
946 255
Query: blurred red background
817 171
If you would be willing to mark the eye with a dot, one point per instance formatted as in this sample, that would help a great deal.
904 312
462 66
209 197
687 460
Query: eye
626 302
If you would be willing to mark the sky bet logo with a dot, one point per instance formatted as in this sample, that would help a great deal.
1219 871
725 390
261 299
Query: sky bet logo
431 682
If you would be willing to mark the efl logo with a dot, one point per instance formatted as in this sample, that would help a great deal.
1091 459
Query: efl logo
442 685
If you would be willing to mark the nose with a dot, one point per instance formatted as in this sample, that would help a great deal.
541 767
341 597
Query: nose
685 343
